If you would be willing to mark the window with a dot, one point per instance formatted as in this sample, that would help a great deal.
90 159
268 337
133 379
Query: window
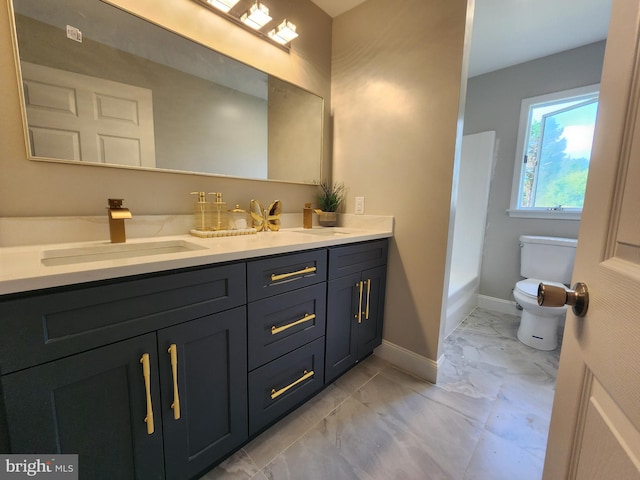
553 153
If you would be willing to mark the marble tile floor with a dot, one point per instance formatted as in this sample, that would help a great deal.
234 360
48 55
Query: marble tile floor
486 419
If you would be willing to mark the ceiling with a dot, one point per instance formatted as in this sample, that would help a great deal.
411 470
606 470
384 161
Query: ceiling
508 32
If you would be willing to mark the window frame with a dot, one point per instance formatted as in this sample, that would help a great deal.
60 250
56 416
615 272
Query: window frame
524 128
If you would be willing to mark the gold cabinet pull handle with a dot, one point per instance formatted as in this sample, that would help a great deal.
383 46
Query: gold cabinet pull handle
359 314
275 277
276 393
173 351
275 330
366 313
146 373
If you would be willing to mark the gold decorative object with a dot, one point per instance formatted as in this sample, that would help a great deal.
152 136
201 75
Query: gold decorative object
222 233
266 219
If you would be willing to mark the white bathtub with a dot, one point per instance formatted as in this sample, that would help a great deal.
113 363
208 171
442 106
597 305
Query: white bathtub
473 183
462 299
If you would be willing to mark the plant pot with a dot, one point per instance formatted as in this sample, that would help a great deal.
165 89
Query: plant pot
328 219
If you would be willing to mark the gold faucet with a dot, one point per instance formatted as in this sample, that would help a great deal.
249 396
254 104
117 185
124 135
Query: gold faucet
117 216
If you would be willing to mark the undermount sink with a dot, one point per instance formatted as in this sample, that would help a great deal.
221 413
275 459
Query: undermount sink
114 251
324 231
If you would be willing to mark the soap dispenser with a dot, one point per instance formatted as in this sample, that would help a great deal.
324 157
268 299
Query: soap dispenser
219 213
202 219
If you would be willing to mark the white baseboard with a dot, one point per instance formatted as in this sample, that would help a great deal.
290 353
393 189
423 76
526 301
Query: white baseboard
424 367
413 363
498 305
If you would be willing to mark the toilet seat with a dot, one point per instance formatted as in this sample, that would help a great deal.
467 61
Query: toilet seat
529 287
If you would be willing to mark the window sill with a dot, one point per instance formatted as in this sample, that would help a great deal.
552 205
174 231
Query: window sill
545 214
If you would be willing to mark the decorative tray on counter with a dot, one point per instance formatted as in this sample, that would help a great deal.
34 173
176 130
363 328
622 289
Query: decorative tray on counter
222 233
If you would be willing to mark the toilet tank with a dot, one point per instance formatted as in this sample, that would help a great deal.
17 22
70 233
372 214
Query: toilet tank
547 258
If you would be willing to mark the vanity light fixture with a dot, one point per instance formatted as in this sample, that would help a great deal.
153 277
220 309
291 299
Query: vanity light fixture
223 5
253 19
257 16
284 33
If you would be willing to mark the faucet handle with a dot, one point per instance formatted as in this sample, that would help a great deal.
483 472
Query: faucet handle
117 211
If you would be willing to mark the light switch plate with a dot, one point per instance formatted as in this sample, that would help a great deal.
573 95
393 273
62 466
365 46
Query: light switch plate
359 205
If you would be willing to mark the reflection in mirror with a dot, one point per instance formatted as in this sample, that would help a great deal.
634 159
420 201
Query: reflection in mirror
104 86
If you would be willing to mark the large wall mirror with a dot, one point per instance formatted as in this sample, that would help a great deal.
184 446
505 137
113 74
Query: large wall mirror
102 86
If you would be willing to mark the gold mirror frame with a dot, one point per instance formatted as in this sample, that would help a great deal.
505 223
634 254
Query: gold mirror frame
284 156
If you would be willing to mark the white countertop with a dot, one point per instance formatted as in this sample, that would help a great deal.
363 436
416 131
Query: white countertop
22 269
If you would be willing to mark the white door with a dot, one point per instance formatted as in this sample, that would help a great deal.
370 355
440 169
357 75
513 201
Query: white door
595 424
89 119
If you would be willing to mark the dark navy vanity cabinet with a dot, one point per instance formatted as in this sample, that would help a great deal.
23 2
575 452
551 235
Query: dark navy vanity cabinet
355 306
286 333
164 375
73 364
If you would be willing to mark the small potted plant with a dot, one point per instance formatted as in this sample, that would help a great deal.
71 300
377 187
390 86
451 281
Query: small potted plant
330 197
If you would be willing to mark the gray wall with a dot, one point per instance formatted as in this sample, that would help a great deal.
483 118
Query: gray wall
493 103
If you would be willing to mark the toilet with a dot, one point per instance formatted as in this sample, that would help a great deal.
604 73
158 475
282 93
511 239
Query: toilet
548 260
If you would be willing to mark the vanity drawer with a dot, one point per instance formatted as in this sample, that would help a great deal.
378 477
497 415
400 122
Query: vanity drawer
283 384
275 275
43 327
285 322
355 258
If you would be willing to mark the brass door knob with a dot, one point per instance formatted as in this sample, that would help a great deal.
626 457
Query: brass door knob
577 297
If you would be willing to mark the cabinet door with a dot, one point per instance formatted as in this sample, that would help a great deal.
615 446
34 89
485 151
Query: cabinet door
341 338
370 329
211 387
93 404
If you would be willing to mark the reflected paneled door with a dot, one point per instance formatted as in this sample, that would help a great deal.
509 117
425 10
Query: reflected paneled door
89 119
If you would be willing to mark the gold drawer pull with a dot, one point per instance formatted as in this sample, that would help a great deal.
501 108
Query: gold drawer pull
366 314
173 351
359 314
276 393
146 373
282 276
306 318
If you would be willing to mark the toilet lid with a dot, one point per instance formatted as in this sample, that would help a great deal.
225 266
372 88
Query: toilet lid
529 287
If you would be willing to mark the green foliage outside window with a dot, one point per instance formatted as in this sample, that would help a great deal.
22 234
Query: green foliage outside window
551 177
